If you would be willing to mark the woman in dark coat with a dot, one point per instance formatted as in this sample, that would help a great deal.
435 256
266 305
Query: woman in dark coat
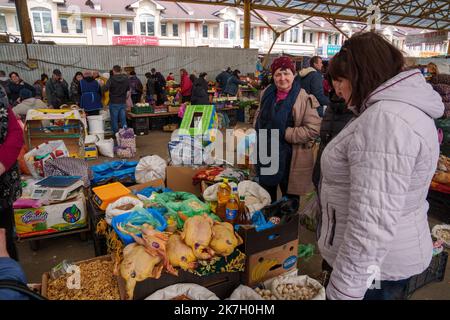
200 90
75 91
233 84
15 85
11 142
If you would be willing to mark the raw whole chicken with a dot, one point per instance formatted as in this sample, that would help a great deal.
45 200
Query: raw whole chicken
197 234
138 265
224 239
180 254
154 242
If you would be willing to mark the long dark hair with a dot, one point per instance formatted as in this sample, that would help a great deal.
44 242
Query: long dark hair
76 75
367 60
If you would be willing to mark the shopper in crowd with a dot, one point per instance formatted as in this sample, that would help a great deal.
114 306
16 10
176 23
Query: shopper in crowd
160 88
118 86
27 102
15 85
288 110
11 142
39 86
11 271
336 117
233 83
4 81
57 90
150 88
135 87
192 77
223 77
200 90
312 82
185 85
327 86
91 94
170 77
75 90
376 173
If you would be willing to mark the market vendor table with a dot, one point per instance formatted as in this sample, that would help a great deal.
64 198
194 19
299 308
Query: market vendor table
141 122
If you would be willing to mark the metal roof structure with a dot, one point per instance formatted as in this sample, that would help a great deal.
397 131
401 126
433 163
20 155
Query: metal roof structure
425 14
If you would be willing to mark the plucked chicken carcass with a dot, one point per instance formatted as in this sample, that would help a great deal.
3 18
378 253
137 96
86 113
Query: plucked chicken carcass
224 239
138 265
180 254
154 242
197 234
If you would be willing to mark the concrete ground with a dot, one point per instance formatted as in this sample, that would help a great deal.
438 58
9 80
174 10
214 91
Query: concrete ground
74 248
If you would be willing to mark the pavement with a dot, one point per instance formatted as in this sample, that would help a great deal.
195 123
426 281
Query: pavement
76 248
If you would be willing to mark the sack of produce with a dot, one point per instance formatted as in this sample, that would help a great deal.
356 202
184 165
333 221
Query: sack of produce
297 288
106 147
121 206
245 293
150 168
183 291
442 232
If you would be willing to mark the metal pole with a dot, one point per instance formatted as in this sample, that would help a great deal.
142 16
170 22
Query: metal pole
247 7
26 33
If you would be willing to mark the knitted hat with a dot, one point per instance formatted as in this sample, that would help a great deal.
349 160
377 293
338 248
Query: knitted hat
282 62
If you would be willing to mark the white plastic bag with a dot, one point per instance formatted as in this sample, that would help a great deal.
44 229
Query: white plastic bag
191 290
112 208
256 197
210 193
244 293
106 147
298 280
47 151
150 168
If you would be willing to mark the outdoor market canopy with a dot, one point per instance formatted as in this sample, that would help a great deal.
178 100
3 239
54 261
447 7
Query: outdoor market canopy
426 14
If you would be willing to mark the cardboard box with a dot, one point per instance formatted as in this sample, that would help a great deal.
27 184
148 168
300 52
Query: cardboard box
52 218
278 235
174 108
270 263
46 275
153 183
222 284
180 179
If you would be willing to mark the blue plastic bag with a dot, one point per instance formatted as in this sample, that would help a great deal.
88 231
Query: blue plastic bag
147 192
138 218
119 170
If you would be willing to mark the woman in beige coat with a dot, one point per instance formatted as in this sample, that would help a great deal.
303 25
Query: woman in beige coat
287 123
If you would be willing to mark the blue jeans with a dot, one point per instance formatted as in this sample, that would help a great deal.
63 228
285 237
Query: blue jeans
117 112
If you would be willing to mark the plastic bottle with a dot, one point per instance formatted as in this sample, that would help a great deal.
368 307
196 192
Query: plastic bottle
243 214
223 195
232 209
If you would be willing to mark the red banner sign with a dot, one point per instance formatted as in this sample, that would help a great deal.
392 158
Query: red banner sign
135 41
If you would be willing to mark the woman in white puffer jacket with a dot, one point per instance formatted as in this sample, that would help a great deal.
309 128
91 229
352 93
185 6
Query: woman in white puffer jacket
376 173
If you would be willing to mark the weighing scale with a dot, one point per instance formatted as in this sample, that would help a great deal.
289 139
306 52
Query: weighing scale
57 188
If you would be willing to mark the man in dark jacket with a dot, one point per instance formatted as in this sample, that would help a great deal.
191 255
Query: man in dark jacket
312 82
223 77
57 90
200 91
233 83
118 86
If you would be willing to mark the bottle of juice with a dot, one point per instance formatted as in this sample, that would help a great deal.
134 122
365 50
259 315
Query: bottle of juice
243 214
232 209
223 195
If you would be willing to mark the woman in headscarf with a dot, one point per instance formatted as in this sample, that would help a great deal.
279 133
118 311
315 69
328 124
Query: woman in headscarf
287 123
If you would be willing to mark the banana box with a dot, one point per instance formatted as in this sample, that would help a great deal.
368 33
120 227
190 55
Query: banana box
270 263
53 218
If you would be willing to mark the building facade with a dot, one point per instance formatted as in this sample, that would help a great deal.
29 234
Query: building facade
163 23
